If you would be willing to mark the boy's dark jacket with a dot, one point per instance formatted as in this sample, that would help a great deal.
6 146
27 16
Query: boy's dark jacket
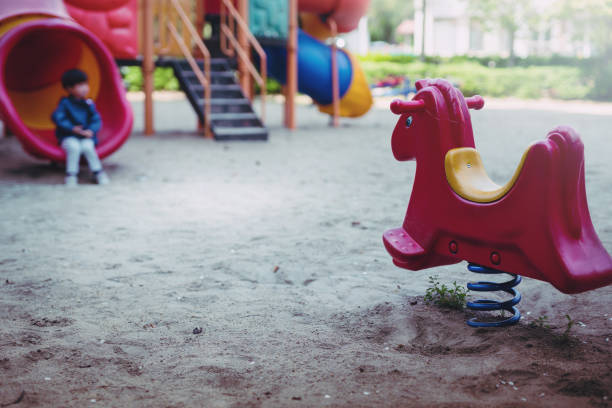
72 112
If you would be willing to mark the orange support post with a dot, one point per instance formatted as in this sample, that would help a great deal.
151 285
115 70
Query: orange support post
335 79
245 78
232 22
292 74
148 65
200 17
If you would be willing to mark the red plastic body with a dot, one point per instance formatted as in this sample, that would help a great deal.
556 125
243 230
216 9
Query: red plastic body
53 8
346 13
33 56
213 6
540 229
115 22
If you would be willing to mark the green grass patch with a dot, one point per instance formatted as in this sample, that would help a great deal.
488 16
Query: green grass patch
163 79
452 297
559 82
471 75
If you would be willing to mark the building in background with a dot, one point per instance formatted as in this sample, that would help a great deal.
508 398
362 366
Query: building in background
404 33
358 40
450 30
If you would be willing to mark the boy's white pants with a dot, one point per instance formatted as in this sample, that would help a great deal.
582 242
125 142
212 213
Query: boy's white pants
73 147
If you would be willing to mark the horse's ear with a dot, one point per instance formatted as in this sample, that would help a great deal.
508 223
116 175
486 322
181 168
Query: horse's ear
475 102
421 83
398 106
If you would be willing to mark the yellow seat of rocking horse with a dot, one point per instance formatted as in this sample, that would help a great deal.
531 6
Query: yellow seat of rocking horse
467 177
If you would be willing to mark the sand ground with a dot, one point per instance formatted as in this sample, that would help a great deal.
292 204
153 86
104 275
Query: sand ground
273 250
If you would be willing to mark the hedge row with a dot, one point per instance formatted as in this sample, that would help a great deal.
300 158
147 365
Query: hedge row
163 79
577 79
489 61
560 82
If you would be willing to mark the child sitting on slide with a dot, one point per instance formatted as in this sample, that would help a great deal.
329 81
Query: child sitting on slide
77 122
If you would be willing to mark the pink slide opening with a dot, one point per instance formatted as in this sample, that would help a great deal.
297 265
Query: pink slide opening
36 46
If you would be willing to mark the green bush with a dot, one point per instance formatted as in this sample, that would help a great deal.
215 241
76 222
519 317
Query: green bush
132 78
404 59
272 87
452 297
560 82
164 80
599 73
488 61
576 79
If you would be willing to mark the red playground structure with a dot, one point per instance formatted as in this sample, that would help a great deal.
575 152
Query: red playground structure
538 223
39 40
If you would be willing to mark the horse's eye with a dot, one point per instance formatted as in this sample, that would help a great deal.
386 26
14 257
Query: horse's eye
409 121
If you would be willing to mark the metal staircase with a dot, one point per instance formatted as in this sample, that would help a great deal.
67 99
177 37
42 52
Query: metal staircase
210 79
231 113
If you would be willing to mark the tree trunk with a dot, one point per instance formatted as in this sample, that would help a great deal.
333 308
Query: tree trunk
388 33
424 32
512 57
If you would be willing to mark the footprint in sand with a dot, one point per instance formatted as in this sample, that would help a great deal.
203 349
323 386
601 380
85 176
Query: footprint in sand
575 386
141 258
50 322
39 354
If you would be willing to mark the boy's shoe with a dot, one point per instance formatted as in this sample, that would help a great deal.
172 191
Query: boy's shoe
71 181
102 178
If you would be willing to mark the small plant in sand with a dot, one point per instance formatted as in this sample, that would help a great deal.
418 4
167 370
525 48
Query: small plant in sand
570 322
565 339
540 322
452 297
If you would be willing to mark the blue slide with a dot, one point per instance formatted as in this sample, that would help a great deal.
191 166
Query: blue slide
315 75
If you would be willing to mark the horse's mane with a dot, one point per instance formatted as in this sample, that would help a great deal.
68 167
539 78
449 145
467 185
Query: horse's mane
457 108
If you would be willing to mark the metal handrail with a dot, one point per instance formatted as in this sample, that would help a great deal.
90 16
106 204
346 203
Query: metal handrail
203 77
231 46
335 74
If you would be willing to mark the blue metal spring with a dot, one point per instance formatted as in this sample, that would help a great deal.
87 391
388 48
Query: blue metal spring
488 305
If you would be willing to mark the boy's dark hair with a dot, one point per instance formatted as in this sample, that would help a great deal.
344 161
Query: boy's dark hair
72 77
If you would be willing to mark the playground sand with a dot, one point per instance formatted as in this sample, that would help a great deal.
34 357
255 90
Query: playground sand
274 251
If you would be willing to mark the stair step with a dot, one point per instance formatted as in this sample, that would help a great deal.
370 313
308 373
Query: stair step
213 61
213 74
226 101
219 90
216 77
217 87
216 65
236 120
228 105
233 116
241 133
225 87
229 74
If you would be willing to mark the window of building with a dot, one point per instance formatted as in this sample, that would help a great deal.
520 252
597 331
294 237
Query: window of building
476 34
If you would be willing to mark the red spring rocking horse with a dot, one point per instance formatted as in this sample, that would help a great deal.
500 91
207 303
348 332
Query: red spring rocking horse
537 223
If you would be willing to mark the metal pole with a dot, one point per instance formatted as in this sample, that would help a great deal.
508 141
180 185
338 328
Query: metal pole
335 79
200 17
292 74
423 33
148 66
245 77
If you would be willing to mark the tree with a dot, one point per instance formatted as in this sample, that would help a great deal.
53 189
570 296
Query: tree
591 20
385 16
505 14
